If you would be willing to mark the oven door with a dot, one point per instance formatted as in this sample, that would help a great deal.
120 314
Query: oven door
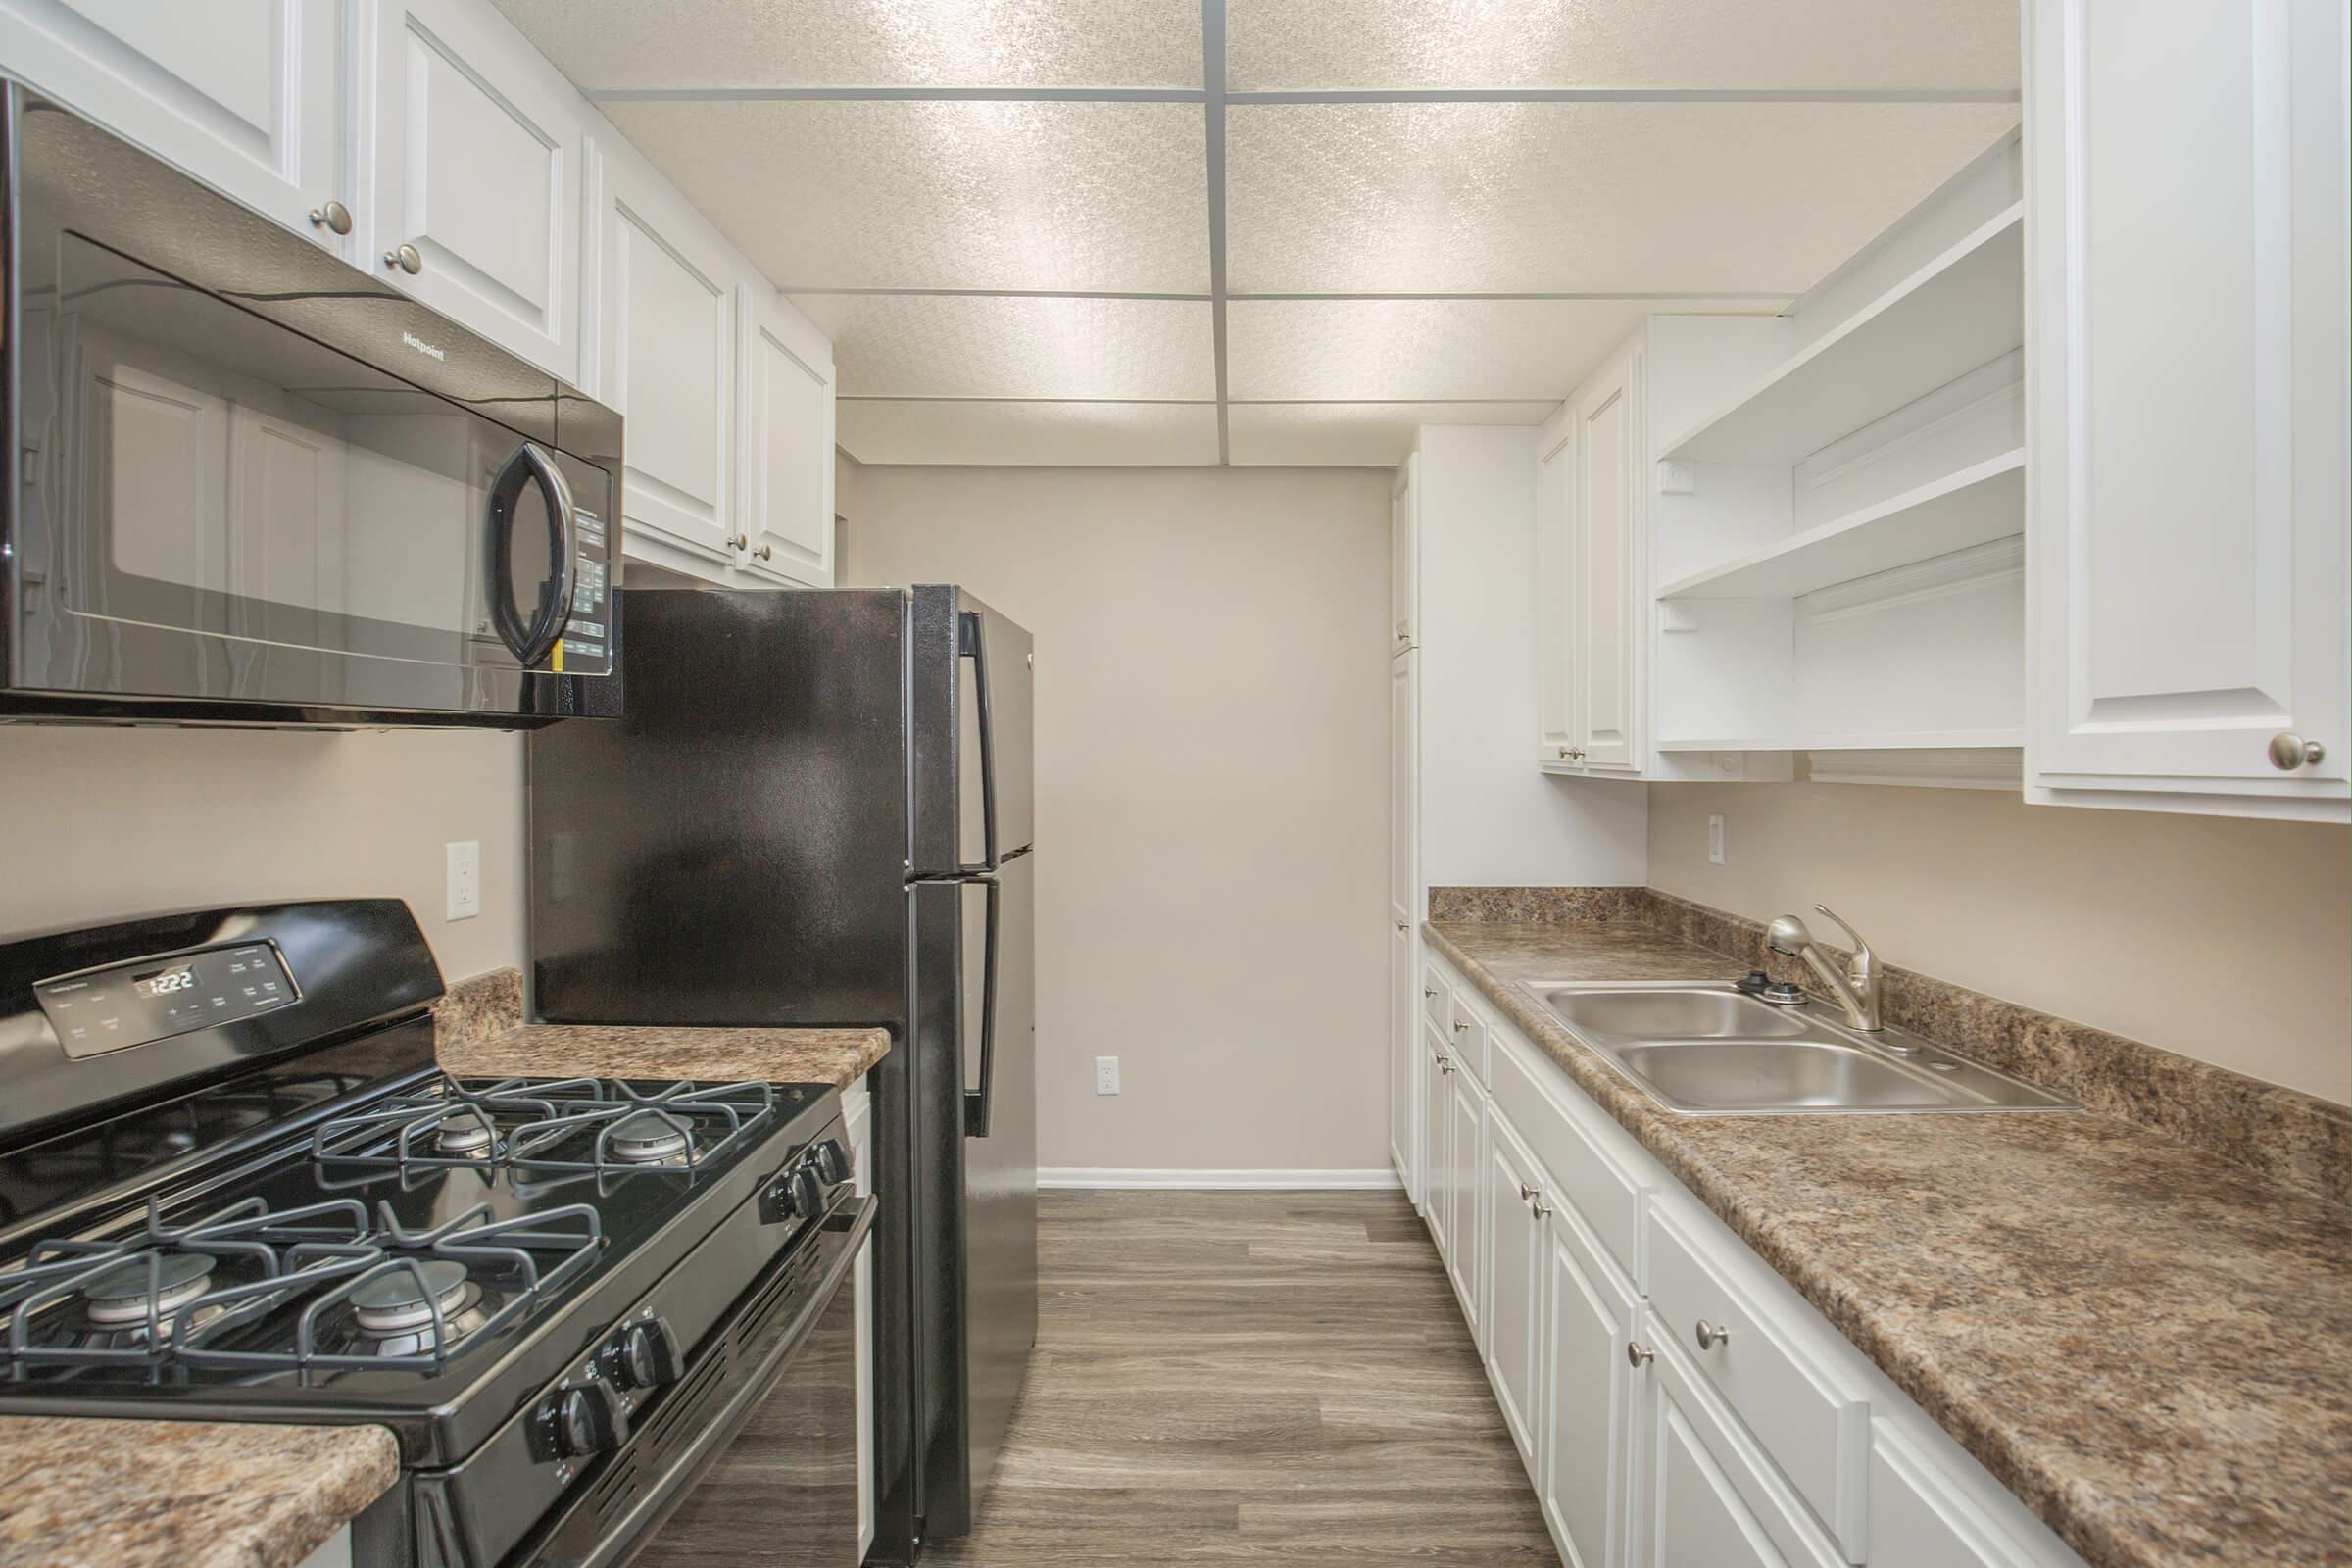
759 1455
217 509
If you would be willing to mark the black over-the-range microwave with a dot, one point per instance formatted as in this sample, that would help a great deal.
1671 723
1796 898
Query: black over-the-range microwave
247 483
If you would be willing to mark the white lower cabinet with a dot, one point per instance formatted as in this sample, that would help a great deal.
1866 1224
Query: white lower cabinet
1583 1464
1677 1403
1511 1201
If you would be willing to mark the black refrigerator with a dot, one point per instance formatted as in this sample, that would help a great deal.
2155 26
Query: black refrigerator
816 810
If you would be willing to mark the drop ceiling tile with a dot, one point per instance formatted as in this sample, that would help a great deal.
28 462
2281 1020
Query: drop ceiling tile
1436 349
944 195
1354 434
1578 198
639 44
1037 434
1843 44
916 346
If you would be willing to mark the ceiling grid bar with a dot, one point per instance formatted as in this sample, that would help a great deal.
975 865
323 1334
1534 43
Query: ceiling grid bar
1212 77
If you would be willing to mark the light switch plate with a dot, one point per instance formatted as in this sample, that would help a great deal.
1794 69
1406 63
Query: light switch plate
465 880
1715 840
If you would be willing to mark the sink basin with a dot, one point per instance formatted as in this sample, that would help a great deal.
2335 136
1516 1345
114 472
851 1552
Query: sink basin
1692 1013
1721 1075
1707 1050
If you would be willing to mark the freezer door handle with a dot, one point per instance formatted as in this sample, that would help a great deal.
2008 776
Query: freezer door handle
978 1101
971 641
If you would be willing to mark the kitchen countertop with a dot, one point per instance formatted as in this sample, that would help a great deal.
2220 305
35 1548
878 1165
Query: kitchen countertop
87 1493
836 1057
2149 1347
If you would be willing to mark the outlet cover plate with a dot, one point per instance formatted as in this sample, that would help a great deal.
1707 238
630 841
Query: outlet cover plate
464 878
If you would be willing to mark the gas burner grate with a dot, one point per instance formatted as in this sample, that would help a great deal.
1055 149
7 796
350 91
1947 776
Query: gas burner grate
570 1125
326 1251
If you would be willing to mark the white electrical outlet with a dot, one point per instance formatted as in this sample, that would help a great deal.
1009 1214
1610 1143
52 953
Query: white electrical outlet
465 880
1714 840
1106 1075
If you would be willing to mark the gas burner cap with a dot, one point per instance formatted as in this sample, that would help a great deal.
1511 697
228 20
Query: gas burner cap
120 1293
646 1137
465 1133
393 1301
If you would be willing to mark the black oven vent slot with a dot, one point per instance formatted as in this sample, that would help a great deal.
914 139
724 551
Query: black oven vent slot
678 1420
615 1491
764 1311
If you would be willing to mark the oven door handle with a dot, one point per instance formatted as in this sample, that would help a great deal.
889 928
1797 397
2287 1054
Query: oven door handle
627 1534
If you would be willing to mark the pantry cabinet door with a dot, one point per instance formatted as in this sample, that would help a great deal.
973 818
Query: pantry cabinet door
476 161
666 357
246 95
1404 1012
787 441
1585 1466
2188 574
1512 1200
1608 570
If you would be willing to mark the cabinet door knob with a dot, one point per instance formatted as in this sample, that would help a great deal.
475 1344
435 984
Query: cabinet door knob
407 258
2290 751
1425 991
764 553
1444 1065
1543 1211
736 541
331 216
1400 925
1527 1193
1637 1357
1709 1336
1460 1027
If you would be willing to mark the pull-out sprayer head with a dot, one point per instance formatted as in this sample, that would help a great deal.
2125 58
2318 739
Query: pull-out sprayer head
1787 934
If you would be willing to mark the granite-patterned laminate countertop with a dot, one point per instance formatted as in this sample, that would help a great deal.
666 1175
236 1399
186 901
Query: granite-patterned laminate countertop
87 1493
2149 1347
836 1057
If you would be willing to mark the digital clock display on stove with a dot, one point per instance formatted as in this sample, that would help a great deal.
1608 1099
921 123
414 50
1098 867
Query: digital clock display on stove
131 1003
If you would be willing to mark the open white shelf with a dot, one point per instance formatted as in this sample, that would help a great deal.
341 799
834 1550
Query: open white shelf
1961 309
1899 742
1973 506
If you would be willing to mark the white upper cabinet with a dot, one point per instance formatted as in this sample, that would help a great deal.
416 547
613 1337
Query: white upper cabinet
1405 562
787 441
666 357
477 167
2187 485
243 94
1592 574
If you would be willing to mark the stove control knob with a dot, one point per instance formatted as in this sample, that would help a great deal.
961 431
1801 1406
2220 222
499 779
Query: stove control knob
804 1194
589 1420
833 1160
644 1356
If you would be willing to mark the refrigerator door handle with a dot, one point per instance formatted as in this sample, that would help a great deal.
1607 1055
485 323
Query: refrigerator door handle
977 1103
972 643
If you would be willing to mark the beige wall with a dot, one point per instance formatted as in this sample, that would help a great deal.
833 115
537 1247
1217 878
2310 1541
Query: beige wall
1212 792
97 824
2225 939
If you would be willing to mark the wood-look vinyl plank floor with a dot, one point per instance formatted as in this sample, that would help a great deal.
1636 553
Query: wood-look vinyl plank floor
1250 1378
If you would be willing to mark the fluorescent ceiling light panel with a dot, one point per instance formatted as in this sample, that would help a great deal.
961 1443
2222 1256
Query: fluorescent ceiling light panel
1086 197
1433 349
633 45
1703 44
1577 198
930 346
1016 434
1352 434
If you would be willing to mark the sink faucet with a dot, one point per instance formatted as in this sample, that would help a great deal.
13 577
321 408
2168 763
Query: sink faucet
1856 990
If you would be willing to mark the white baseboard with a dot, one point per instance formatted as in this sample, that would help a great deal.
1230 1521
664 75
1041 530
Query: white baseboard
1112 1176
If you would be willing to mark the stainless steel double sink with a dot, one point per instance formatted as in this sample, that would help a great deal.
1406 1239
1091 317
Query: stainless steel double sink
1709 1049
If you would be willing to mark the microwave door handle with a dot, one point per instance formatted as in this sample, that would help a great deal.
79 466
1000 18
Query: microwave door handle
972 640
531 464
978 1102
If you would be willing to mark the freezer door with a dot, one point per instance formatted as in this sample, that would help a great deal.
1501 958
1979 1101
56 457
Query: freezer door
970 730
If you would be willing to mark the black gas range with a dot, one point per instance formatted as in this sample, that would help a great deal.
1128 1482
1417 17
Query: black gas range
236 1187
